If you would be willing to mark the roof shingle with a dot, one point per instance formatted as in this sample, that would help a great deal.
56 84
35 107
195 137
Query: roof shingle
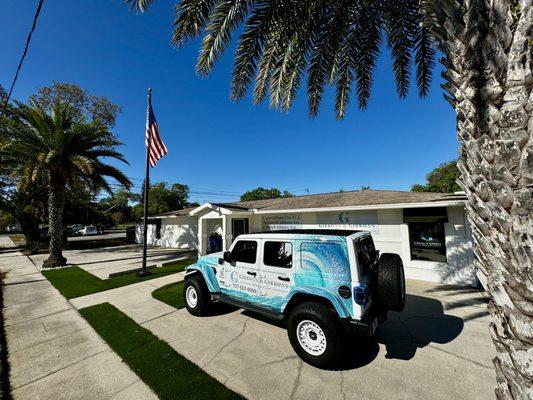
357 198
345 199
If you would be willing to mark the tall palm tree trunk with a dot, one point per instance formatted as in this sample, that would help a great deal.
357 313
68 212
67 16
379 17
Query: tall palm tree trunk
488 46
56 201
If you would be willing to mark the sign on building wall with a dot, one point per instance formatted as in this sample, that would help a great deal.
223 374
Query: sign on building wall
350 220
357 220
287 221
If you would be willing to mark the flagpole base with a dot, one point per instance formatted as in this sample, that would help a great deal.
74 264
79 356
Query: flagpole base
142 273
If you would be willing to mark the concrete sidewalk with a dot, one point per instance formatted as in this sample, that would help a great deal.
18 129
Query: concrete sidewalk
135 300
53 352
111 261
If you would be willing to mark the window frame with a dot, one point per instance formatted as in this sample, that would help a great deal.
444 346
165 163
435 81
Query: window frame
441 238
245 240
285 242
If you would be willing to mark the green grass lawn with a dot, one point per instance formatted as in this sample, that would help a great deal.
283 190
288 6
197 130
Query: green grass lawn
75 282
167 373
172 294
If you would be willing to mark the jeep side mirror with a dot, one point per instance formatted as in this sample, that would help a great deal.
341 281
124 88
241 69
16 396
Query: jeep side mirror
227 256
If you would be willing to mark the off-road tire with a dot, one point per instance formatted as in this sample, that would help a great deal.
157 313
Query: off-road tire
331 328
391 282
197 285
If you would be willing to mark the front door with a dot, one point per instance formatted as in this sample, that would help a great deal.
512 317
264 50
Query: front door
241 276
240 227
276 273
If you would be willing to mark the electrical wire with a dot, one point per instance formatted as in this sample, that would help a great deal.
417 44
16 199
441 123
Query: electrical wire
19 67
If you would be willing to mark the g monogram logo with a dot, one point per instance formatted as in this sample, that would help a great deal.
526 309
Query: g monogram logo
343 217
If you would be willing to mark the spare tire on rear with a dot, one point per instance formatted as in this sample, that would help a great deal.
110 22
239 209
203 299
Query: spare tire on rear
391 282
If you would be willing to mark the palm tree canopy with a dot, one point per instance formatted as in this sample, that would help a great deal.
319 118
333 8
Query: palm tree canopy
35 144
331 42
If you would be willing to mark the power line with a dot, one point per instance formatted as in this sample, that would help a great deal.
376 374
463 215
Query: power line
28 40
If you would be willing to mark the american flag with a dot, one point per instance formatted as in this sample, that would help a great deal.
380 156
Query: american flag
154 144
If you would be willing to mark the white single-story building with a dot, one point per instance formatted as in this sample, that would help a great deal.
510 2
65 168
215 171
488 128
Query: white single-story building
428 230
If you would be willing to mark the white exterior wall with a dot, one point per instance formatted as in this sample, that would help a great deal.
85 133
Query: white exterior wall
177 232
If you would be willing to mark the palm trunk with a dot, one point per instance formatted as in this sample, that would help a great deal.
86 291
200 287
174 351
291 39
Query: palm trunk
55 221
30 228
488 50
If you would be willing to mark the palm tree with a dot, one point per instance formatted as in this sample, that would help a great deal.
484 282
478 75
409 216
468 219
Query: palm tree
54 149
487 47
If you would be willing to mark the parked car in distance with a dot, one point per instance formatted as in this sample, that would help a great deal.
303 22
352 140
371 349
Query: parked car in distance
88 230
72 230
325 284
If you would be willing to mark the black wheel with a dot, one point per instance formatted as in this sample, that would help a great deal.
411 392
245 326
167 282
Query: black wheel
316 335
391 282
196 295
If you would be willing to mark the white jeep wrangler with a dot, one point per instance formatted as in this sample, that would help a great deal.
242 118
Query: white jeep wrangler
323 283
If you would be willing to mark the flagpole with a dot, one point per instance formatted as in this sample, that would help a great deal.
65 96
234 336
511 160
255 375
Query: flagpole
144 271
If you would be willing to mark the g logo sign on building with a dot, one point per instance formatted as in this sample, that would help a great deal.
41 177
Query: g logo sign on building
343 217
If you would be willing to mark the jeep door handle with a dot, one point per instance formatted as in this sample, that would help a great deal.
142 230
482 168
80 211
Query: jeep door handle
284 278
251 273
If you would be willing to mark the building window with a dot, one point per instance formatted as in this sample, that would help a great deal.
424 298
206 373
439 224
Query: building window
278 254
240 226
427 241
244 251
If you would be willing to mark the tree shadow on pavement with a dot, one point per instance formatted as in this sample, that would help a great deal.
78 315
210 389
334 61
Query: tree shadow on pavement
421 322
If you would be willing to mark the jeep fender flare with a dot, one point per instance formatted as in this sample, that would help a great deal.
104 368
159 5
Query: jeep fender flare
207 273
318 293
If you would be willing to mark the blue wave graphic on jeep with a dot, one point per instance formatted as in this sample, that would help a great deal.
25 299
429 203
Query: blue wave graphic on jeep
319 268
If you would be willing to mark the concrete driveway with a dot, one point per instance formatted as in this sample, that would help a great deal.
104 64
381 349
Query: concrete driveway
438 348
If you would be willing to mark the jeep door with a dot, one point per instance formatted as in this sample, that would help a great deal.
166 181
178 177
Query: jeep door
276 277
241 274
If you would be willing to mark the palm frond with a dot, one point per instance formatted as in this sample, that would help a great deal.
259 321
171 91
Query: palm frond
226 16
191 18
38 144
105 170
331 27
368 37
139 5
337 42
424 60
300 36
399 23
250 44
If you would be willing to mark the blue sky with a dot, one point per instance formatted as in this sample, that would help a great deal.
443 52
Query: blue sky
217 147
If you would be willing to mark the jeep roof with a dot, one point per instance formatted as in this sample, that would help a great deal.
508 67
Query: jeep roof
316 231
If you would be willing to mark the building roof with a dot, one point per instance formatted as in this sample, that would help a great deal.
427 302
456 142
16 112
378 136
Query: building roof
344 199
357 198
183 211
